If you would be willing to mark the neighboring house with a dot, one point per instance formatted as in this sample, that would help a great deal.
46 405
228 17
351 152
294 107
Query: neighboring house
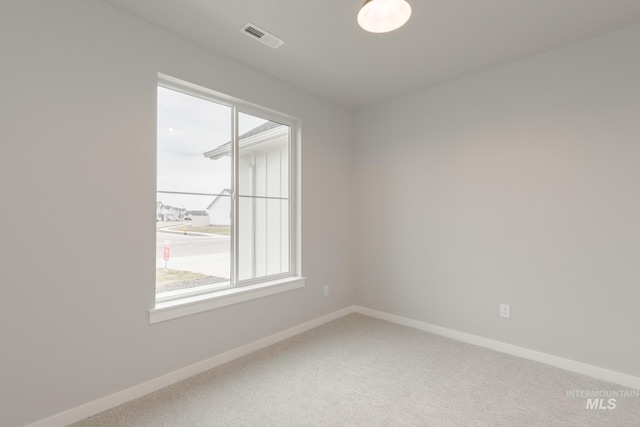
263 192
199 218
220 209
169 213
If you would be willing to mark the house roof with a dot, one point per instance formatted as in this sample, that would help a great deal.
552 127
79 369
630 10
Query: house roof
222 194
259 129
266 129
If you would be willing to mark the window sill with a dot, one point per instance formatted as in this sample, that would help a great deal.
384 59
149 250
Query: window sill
195 304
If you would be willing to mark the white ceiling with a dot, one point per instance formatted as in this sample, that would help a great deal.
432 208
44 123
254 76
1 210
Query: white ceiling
327 53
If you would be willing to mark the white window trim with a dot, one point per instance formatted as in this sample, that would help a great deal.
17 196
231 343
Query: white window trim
185 304
196 304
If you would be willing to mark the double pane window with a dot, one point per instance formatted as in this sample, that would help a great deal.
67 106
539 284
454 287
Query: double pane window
225 213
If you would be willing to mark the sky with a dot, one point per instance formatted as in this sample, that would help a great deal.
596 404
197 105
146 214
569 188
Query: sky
187 128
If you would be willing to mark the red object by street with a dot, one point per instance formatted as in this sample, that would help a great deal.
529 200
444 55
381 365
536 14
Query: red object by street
167 250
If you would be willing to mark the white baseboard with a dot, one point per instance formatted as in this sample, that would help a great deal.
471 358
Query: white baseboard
95 407
91 408
548 359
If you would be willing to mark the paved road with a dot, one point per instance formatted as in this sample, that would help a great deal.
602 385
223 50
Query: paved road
182 245
201 254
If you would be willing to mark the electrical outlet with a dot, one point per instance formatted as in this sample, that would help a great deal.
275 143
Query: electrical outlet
326 290
505 311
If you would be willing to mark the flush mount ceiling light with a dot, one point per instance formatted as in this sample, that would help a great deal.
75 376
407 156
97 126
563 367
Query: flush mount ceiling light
381 16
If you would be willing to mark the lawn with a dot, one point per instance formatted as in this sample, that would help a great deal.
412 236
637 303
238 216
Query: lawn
166 276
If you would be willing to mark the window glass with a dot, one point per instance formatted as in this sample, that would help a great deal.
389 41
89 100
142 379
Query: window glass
193 214
221 221
263 157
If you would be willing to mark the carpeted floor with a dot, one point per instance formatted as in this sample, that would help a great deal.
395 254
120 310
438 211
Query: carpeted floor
360 371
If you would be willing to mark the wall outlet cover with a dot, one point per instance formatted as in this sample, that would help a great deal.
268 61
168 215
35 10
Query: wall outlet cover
505 311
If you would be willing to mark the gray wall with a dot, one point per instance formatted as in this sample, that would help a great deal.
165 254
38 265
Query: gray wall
518 185
78 113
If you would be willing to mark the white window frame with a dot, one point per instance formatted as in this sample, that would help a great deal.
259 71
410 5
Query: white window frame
175 304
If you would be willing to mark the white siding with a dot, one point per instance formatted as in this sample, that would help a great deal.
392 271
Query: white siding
264 174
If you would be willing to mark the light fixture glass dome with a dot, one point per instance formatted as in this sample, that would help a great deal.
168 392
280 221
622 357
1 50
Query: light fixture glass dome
381 16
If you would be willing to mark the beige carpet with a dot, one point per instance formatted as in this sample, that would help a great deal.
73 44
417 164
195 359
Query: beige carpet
360 371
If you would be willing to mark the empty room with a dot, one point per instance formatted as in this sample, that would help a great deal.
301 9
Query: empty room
367 213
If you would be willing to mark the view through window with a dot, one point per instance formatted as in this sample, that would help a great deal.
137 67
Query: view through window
223 201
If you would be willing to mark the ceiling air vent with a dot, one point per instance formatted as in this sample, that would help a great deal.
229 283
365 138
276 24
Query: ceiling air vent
261 35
